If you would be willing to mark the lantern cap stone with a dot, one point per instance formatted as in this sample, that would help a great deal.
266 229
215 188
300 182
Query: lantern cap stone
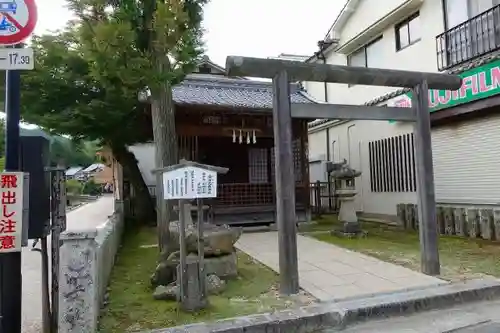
344 171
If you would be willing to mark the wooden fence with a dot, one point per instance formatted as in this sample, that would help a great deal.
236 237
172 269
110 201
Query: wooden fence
466 222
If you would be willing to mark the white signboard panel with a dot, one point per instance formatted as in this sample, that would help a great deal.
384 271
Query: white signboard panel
11 222
189 183
11 59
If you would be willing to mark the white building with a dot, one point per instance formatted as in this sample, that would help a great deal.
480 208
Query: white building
457 36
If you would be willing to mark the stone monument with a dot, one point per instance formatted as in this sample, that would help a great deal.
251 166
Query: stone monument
345 189
199 256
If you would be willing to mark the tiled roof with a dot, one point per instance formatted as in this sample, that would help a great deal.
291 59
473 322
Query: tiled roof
455 70
218 90
73 170
93 167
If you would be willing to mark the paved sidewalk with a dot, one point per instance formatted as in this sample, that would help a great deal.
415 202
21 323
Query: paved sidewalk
87 216
329 272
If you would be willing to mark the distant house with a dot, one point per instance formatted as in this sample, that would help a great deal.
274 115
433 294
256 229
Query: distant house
93 169
74 172
104 175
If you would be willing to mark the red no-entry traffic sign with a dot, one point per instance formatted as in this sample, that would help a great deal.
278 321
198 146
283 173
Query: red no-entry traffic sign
17 20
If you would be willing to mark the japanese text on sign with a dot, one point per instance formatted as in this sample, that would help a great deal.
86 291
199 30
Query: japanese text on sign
189 183
11 223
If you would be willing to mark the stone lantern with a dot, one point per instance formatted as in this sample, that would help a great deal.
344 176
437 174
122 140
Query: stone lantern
345 188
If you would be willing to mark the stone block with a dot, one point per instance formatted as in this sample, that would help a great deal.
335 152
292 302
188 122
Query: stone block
401 214
449 223
473 222
460 220
440 219
496 223
225 267
486 225
416 218
410 219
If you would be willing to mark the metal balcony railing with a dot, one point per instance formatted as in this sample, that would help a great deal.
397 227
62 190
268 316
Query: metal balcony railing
469 40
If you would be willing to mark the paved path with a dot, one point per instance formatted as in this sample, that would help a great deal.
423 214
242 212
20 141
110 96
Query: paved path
85 217
329 272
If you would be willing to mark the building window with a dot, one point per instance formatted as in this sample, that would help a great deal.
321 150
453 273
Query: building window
257 166
408 32
392 164
357 58
366 56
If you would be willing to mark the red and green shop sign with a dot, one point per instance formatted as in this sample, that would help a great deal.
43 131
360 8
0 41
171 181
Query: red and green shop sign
478 83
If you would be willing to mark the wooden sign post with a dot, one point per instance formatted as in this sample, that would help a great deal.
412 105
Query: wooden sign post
187 181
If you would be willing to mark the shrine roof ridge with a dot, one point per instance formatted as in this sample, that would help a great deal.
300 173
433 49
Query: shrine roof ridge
219 90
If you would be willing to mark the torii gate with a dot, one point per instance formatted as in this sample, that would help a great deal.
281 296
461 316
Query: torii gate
284 71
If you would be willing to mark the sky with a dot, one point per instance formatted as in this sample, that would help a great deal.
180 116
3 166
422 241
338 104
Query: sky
257 28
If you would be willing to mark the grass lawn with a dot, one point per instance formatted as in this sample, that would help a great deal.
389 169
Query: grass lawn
460 257
132 307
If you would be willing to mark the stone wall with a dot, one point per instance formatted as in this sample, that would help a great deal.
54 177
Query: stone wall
465 221
87 258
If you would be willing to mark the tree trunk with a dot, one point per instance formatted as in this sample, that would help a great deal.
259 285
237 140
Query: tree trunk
145 205
165 139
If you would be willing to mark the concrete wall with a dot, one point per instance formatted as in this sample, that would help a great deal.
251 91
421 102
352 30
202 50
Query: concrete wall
366 13
420 56
86 261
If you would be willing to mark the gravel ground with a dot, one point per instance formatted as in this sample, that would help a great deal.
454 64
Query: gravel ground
85 217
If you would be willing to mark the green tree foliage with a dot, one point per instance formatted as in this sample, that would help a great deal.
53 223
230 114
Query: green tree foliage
64 151
87 77
91 188
73 186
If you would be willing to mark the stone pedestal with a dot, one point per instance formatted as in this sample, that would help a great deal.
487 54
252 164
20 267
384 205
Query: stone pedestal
347 212
347 215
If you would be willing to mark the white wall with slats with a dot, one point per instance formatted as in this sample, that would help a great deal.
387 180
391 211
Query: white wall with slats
467 161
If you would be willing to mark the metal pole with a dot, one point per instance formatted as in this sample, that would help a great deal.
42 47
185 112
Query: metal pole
285 186
10 263
429 250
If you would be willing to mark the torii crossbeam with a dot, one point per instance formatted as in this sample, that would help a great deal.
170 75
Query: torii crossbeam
282 72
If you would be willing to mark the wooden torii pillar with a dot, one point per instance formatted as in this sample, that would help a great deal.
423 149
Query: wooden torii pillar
282 72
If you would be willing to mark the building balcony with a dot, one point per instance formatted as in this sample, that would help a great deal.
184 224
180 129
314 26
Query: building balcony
471 39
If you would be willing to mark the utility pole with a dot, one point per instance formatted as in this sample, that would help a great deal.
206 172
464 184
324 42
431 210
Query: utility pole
10 263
